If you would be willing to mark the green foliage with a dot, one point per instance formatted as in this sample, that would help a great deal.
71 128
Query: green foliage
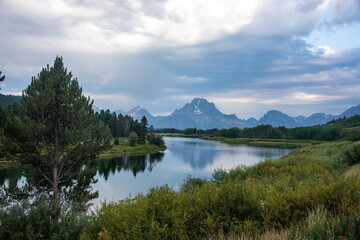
352 155
320 225
121 126
3 117
55 130
116 141
190 183
331 132
8 100
155 139
133 139
189 131
219 175
273 194
125 148
34 221
345 122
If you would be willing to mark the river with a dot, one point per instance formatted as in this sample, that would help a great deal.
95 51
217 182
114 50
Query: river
124 176
121 177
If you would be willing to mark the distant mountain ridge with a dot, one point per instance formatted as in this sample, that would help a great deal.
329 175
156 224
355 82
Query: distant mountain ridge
201 114
277 119
7 100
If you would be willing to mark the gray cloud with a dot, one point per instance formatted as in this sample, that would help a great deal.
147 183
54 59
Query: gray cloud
160 54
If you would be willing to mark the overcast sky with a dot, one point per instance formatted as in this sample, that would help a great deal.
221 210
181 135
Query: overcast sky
248 57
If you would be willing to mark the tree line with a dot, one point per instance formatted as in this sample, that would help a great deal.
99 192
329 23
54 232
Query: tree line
122 126
333 130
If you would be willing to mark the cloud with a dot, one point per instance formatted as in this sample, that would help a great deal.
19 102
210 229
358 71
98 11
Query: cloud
345 12
120 26
247 55
191 80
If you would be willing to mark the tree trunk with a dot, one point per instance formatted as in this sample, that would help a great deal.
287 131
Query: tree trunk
55 182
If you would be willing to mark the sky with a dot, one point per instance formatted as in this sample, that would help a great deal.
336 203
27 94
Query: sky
248 57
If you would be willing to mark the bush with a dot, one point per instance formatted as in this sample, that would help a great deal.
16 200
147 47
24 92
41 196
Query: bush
116 141
191 183
155 139
219 175
271 195
133 139
202 208
24 221
320 224
352 155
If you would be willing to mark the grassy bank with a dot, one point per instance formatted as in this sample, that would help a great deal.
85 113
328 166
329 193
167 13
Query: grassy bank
262 142
309 192
250 141
124 148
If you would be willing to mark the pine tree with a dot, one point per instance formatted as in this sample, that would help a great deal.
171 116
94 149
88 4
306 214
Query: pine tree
57 133
143 129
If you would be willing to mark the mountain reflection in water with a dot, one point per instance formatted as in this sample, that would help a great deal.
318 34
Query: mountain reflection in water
121 176
202 153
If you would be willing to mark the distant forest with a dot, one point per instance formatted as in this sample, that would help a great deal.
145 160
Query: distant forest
333 130
7 100
122 126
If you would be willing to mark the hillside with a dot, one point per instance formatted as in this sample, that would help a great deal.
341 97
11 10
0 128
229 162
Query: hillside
7 100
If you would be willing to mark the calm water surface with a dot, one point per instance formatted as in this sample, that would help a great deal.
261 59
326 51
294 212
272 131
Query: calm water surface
120 177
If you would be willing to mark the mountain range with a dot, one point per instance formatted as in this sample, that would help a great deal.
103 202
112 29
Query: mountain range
7 100
201 114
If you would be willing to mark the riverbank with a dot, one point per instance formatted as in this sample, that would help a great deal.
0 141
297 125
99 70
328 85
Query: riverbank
250 141
311 191
263 142
124 148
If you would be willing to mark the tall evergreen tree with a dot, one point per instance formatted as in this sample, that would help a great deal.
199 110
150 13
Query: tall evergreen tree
127 125
143 129
57 133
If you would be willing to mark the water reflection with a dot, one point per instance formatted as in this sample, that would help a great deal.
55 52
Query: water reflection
11 174
135 164
200 154
123 175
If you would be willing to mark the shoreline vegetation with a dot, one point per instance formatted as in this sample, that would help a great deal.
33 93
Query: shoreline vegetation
311 192
124 148
263 142
120 149
249 141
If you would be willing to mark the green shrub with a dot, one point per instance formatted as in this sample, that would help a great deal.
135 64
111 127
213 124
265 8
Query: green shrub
116 141
219 175
155 139
321 225
24 221
352 155
133 139
273 194
191 182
